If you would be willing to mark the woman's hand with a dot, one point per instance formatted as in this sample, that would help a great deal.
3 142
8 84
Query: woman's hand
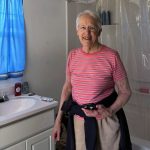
56 131
103 112
100 113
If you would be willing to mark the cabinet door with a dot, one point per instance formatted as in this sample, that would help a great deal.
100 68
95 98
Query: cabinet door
19 146
42 141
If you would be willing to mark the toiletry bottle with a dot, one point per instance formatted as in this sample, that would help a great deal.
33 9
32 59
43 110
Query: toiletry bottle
25 87
18 89
108 18
103 17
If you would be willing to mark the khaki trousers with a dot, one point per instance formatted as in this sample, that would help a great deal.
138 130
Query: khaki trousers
108 133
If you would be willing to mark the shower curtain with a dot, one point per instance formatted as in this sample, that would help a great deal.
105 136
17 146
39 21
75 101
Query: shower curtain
12 39
129 33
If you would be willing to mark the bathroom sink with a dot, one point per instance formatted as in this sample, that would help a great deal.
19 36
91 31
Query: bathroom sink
16 105
19 107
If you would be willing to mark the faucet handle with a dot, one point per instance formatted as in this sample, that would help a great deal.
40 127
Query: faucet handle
5 97
1 99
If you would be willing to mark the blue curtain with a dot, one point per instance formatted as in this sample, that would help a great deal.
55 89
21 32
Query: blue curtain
12 39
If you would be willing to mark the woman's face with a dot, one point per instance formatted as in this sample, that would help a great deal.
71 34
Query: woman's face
87 31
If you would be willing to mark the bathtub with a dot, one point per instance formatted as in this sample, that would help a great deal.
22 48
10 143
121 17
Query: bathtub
140 144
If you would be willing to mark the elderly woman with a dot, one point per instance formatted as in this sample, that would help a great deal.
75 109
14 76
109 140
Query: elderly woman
96 119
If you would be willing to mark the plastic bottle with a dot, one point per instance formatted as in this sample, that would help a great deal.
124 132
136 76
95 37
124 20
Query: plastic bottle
17 89
103 17
25 88
108 18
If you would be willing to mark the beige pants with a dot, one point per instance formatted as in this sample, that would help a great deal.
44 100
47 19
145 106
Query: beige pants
108 134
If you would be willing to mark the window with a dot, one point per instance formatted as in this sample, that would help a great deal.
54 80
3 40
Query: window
12 39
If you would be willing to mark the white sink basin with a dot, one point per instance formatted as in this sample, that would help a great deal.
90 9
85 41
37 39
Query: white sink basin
20 107
16 105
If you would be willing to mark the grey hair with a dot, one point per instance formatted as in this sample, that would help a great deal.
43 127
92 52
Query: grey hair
92 14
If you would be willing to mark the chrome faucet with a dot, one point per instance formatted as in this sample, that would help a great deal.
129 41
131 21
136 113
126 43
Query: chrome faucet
4 98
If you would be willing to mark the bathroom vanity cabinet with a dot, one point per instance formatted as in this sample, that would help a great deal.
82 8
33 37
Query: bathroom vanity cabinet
19 146
41 141
31 132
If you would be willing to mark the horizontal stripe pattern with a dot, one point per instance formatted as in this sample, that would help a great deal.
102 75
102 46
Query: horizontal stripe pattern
93 75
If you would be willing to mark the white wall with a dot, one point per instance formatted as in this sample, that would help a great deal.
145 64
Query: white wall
46 48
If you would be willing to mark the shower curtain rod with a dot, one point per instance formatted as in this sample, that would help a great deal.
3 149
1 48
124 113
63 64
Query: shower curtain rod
81 1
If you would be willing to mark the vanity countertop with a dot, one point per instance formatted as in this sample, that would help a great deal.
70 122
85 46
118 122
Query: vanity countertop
21 107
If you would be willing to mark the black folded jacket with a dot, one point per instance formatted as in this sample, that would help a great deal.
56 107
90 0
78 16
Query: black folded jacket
90 124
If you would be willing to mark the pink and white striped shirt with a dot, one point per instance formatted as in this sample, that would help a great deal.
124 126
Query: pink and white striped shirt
93 75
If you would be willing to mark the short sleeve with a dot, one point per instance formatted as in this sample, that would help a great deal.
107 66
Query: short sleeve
119 69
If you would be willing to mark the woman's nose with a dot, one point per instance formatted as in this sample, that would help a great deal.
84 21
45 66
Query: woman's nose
88 30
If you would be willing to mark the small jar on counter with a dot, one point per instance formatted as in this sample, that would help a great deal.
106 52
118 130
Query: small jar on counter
17 89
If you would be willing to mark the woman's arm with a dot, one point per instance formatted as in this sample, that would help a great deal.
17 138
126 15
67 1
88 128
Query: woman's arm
124 93
66 91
